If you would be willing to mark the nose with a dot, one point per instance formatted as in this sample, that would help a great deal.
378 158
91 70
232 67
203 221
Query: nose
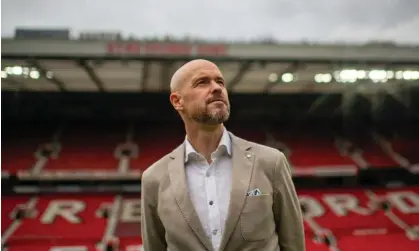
215 87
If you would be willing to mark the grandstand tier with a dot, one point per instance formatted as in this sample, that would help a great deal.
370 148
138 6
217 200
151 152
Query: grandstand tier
71 220
110 148
355 220
350 219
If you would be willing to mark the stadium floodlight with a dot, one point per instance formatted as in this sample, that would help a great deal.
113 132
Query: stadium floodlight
407 75
34 74
25 71
49 75
318 78
348 75
287 77
17 70
361 74
399 75
378 76
375 75
327 78
336 75
390 74
273 77
323 78
411 75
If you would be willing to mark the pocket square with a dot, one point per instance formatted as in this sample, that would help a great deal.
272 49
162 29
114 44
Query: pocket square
254 192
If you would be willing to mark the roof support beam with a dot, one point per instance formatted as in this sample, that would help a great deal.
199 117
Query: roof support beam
145 75
92 75
166 70
236 80
60 85
291 68
321 100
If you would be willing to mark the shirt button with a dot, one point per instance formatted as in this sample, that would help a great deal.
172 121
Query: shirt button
214 232
211 202
208 174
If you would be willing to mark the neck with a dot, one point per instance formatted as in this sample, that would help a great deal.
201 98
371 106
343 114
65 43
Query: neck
205 139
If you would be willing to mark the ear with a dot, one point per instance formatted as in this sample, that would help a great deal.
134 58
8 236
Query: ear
176 101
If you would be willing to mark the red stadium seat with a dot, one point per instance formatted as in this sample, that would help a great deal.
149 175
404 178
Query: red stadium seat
9 210
311 245
62 220
74 220
356 220
83 246
350 216
88 149
18 147
407 148
310 154
154 144
375 156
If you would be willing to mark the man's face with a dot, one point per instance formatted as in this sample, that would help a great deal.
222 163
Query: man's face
203 96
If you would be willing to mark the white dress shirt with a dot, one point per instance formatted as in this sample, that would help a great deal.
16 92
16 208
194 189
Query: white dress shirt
210 186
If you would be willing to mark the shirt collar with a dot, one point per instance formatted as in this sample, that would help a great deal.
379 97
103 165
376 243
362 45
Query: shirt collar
224 142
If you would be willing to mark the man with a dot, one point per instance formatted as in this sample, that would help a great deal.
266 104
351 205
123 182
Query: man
217 191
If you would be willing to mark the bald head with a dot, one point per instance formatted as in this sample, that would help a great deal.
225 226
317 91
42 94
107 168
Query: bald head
198 93
186 70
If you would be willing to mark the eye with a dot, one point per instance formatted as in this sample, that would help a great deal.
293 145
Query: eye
201 81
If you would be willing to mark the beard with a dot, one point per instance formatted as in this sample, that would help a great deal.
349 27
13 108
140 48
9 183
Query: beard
218 116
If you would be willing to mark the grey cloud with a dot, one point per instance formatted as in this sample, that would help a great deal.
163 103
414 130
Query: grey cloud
284 20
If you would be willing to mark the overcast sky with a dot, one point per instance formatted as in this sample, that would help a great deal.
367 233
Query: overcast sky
287 20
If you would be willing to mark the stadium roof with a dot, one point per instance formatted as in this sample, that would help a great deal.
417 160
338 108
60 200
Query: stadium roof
136 66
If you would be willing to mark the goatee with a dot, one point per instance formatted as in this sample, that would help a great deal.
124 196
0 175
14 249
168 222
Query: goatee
214 118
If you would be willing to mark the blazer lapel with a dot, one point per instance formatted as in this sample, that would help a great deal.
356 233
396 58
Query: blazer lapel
180 191
243 160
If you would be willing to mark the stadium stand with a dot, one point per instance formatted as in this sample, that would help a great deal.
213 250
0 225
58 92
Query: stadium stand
22 146
80 125
102 148
373 155
313 152
406 148
151 149
90 147
349 219
358 219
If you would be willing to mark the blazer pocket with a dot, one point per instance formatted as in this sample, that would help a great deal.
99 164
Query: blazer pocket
256 220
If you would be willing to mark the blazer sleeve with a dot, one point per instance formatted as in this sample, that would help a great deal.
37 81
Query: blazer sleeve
152 230
287 211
